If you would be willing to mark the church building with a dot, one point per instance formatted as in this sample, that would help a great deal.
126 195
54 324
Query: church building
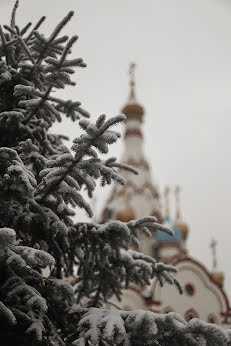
204 296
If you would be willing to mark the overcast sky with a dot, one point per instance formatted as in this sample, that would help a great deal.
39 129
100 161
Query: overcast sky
183 52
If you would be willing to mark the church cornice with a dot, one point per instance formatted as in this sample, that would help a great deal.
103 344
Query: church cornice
133 132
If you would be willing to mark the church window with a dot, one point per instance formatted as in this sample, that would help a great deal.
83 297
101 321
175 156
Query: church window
213 319
155 252
190 314
189 289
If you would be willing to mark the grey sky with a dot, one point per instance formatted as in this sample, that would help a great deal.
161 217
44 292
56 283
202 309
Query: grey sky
183 52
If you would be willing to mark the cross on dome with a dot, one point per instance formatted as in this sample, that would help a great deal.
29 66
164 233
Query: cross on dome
217 275
132 81
166 197
177 196
213 246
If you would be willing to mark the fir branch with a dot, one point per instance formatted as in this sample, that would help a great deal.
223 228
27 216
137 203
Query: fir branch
81 150
26 49
66 50
49 89
17 30
26 27
10 29
4 44
54 34
36 27
13 15
111 162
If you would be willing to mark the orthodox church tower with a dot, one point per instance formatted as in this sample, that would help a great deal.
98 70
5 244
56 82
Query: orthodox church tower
140 196
204 296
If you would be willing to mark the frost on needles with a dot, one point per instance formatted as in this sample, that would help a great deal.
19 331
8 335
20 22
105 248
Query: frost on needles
41 183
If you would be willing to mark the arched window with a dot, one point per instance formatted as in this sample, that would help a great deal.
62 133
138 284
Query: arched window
189 289
168 309
212 318
190 314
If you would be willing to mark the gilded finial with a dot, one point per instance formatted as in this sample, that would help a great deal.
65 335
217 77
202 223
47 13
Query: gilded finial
166 197
213 246
125 195
177 196
132 81
216 275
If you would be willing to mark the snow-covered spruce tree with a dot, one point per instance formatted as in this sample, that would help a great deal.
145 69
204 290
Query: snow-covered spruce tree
40 185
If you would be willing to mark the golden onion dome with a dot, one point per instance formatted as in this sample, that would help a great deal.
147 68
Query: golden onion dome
125 215
133 109
218 277
183 227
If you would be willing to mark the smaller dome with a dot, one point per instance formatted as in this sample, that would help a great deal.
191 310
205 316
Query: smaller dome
183 227
162 237
125 215
218 277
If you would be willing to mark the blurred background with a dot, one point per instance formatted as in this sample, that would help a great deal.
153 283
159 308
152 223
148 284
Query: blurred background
183 79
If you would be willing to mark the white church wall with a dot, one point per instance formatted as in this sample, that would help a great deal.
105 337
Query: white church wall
205 301
132 142
131 300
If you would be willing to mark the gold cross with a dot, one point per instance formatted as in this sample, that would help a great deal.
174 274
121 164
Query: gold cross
132 80
166 197
213 246
177 196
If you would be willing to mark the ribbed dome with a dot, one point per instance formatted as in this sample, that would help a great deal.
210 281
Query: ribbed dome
133 110
162 237
125 215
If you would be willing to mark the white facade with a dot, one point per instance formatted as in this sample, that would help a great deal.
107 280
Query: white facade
203 298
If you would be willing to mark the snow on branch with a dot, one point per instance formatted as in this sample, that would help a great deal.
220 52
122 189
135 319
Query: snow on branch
30 68
22 283
22 302
66 173
138 327
16 177
106 265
